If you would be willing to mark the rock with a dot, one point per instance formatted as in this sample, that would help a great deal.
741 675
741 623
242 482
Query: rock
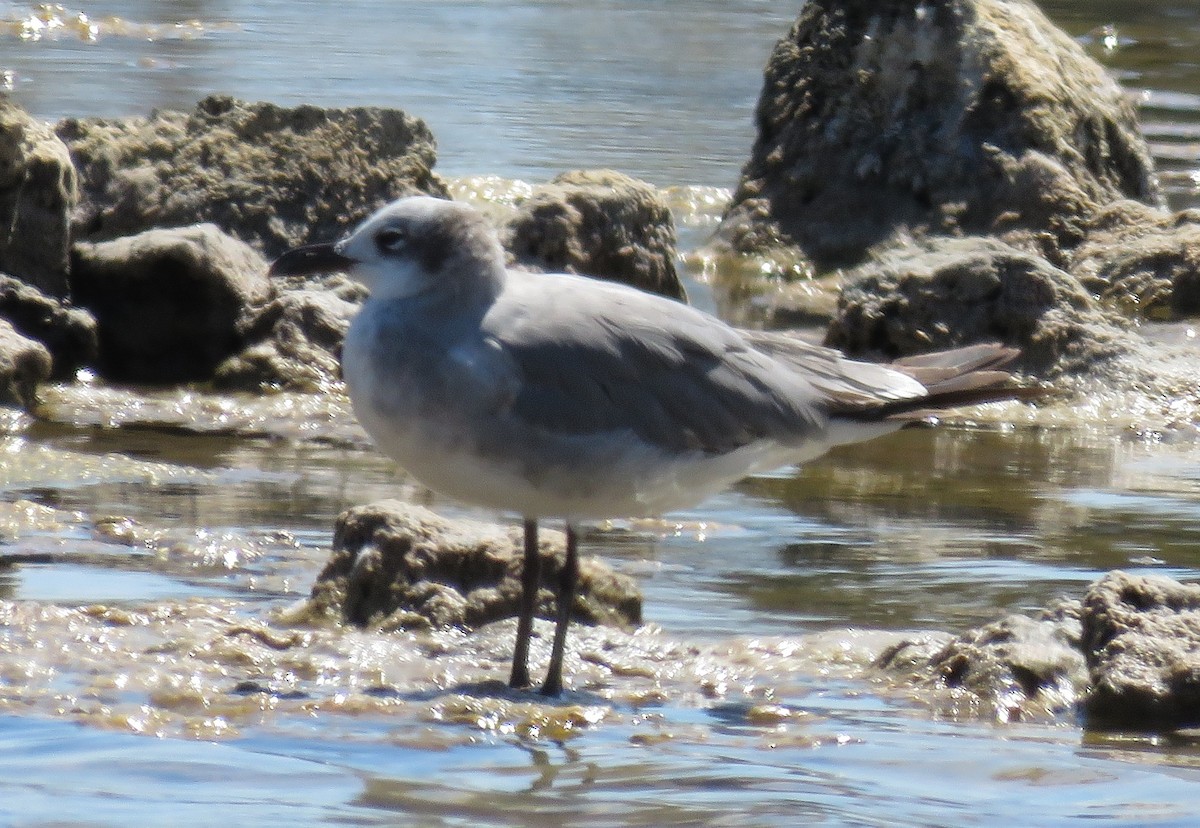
24 364
296 343
1015 667
168 303
598 223
943 117
948 292
272 176
1146 261
1141 638
38 191
398 565
68 332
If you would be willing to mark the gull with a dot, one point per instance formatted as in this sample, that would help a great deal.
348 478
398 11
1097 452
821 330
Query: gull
561 396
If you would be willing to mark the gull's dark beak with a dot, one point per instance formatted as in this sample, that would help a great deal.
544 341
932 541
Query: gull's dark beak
309 259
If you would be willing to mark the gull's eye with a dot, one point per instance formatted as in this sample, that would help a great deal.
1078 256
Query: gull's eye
389 240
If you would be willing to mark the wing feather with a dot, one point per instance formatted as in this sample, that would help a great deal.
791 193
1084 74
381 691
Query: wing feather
609 358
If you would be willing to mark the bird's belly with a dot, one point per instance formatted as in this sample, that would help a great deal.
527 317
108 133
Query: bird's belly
499 462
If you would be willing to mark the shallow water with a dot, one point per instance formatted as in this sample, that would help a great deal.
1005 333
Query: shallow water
158 580
155 543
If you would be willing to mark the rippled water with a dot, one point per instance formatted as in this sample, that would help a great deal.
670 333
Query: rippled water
156 566
927 529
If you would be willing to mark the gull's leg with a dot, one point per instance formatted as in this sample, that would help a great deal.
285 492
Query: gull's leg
566 599
531 576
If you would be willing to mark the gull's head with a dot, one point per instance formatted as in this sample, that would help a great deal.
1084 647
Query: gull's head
412 246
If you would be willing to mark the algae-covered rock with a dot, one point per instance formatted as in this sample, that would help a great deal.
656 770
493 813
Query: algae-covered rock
24 364
948 116
598 223
1012 668
948 292
398 565
1141 637
1145 261
295 343
37 194
1126 656
68 332
272 176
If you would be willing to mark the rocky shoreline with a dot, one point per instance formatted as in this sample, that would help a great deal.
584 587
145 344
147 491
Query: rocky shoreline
933 177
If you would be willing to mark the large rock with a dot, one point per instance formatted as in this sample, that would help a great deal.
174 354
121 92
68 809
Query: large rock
169 303
37 194
24 364
272 176
598 223
398 565
949 292
68 332
1144 260
1141 638
947 116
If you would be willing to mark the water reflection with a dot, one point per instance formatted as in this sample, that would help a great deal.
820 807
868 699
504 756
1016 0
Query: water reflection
1027 483
925 528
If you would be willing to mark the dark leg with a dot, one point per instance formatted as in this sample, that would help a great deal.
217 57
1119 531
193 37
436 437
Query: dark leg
566 599
531 576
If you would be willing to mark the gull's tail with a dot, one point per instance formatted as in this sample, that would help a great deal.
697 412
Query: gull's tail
906 390
961 376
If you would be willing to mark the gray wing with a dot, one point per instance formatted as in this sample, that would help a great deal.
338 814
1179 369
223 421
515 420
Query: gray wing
592 357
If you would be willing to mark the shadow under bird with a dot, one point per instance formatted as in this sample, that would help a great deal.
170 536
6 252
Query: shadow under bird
560 396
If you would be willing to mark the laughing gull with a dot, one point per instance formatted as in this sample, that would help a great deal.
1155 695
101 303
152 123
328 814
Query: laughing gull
560 396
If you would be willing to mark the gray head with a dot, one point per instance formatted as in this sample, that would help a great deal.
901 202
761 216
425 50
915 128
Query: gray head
411 246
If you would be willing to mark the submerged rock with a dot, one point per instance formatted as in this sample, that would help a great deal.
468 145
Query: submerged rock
949 292
1141 637
273 176
945 117
398 565
1015 667
1127 656
168 302
598 223
24 364
69 333
38 191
